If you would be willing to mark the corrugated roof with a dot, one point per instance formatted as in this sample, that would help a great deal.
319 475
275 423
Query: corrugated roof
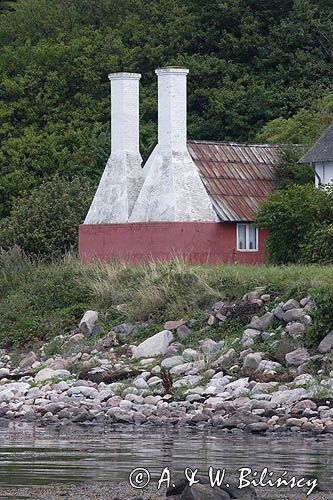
237 176
323 149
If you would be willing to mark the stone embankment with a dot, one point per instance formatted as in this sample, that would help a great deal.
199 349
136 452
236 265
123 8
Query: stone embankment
263 380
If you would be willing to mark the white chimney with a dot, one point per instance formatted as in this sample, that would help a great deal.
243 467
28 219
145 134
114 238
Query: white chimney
122 179
172 133
172 190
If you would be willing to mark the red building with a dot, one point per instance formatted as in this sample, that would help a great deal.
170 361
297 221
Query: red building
195 199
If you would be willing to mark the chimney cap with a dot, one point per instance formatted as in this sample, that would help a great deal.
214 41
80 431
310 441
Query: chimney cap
172 70
124 76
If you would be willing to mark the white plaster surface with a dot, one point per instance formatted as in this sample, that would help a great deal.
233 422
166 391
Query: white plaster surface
172 190
325 172
122 178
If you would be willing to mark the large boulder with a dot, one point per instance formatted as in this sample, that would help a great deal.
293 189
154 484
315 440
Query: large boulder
88 322
326 344
154 346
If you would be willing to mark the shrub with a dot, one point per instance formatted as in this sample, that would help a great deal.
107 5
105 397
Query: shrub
318 246
45 222
322 316
289 171
291 215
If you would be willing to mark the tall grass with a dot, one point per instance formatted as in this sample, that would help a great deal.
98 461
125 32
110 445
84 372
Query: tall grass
40 300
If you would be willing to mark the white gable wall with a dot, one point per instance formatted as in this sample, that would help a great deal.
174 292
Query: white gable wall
324 171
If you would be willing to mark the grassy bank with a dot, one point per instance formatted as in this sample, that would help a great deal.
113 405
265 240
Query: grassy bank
39 301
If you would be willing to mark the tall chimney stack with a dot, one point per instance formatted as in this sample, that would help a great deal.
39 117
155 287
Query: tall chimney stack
172 126
172 190
122 179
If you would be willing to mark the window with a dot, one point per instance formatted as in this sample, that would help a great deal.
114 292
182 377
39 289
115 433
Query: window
247 238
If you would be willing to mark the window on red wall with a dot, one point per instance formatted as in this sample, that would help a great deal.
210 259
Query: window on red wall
247 238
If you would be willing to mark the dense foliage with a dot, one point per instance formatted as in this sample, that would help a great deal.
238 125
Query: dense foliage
45 221
292 216
251 62
288 170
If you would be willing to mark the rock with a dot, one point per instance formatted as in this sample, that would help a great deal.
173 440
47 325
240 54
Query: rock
266 364
172 361
140 383
295 329
183 331
297 357
263 322
4 372
189 380
265 297
305 404
203 492
88 321
257 427
173 325
77 337
252 361
190 355
124 329
303 302
326 344
154 346
278 312
292 315
49 373
28 360
288 397
290 304
218 305
6 396
226 359
249 336
87 392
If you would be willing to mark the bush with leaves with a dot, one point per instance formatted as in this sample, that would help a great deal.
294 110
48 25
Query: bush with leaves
318 245
289 171
46 221
322 316
292 215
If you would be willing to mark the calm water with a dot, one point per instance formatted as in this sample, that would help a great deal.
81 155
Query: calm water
32 455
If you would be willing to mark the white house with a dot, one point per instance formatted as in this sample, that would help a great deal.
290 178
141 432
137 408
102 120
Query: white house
321 157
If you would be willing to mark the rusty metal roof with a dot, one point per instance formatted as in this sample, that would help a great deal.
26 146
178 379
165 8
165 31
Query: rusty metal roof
237 176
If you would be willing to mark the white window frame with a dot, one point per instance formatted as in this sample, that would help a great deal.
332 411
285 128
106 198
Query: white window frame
247 238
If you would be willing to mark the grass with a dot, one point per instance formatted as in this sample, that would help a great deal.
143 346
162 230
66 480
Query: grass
39 301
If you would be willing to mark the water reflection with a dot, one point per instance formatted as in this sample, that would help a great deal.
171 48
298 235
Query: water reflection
32 455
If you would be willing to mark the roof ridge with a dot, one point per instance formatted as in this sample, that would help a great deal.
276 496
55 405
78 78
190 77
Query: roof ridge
232 143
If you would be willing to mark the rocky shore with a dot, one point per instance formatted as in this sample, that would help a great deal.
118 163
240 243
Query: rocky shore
263 381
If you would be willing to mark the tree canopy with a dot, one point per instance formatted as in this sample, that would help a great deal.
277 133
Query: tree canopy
251 62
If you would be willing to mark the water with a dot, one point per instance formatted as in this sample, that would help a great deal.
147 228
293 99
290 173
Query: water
32 455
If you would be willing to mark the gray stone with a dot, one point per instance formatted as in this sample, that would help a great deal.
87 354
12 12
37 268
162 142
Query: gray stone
6 396
290 304
87 392
295 329
190 355
252 361
49 373
288 397
4 372
154 346
28 360
226 359
257 427
88 321
172 361
292 315
249 336
266 364
326 344
218 305
278 312
297 357
183 331
124 329
203 492
263 322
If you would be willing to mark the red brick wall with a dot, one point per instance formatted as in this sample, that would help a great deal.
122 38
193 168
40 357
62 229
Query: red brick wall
198 242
